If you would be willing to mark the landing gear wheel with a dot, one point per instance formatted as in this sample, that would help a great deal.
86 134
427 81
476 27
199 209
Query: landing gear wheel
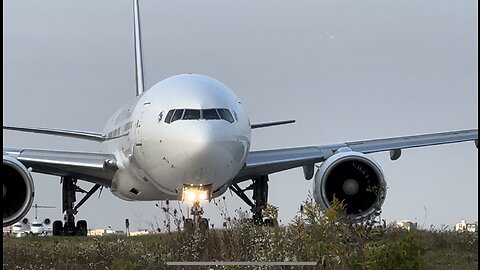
69 190
57 228
69 229
203 225
188 225
81 228
269 222
260 197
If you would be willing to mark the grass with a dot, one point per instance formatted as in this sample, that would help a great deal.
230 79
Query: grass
315 236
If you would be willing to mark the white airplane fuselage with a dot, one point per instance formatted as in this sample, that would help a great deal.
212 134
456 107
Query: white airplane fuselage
37 227
157 159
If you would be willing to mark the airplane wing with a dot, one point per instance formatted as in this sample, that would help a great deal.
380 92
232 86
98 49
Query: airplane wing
97 168
85 135
260 163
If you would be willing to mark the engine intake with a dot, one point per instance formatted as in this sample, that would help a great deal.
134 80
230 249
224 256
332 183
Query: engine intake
18 190
354 179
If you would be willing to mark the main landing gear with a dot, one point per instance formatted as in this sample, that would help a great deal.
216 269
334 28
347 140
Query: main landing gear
68 227
259 187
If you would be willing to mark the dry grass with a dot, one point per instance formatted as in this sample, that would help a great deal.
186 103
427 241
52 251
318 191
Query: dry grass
314 237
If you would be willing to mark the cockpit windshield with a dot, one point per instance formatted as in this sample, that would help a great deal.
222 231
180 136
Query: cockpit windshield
193 114
210 114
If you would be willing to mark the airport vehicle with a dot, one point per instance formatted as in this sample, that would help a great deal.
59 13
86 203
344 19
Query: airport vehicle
188 138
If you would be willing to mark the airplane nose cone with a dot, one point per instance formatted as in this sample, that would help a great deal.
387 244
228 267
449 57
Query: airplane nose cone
212 152
200 142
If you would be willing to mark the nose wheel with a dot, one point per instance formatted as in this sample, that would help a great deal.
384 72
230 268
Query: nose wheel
197 222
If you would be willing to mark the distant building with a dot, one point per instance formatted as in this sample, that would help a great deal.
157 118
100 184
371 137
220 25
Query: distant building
142 232
406 224
104 232
463 226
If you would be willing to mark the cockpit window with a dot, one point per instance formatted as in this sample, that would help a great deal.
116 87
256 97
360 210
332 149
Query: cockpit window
225 115
191 114
168 118
177 115
235 114
210 114
206 114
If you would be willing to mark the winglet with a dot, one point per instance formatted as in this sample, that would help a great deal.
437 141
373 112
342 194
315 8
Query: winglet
270 124
139 77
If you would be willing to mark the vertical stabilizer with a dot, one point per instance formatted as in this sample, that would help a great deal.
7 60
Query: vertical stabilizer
138 49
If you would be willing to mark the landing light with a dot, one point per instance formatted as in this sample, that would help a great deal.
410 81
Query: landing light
196 193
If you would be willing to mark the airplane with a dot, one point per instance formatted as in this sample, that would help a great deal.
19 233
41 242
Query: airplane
36 227
188 138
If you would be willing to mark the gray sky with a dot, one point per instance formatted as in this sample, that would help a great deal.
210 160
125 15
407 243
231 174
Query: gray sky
345 70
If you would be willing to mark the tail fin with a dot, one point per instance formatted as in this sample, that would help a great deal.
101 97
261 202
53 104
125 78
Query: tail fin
139 77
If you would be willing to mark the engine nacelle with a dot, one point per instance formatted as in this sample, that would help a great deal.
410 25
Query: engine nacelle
18 190
354 179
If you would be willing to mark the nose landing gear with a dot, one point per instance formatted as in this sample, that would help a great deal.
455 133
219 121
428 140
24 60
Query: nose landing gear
198 221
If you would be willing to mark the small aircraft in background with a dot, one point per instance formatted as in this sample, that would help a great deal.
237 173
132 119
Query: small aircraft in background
36 227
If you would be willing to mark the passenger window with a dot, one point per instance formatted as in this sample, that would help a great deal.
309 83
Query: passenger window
177 115
225 115
191 115
168 119
210 114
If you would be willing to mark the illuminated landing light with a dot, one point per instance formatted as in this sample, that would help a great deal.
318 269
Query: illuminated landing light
196 193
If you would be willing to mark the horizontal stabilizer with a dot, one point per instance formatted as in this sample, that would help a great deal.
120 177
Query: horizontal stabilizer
84 135
270 124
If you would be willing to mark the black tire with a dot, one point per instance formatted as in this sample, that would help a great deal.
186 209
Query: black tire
188 225
47 221
57 228
203 225
271 222
81 229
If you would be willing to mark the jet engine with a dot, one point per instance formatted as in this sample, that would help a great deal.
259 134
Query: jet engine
18 190
354 179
